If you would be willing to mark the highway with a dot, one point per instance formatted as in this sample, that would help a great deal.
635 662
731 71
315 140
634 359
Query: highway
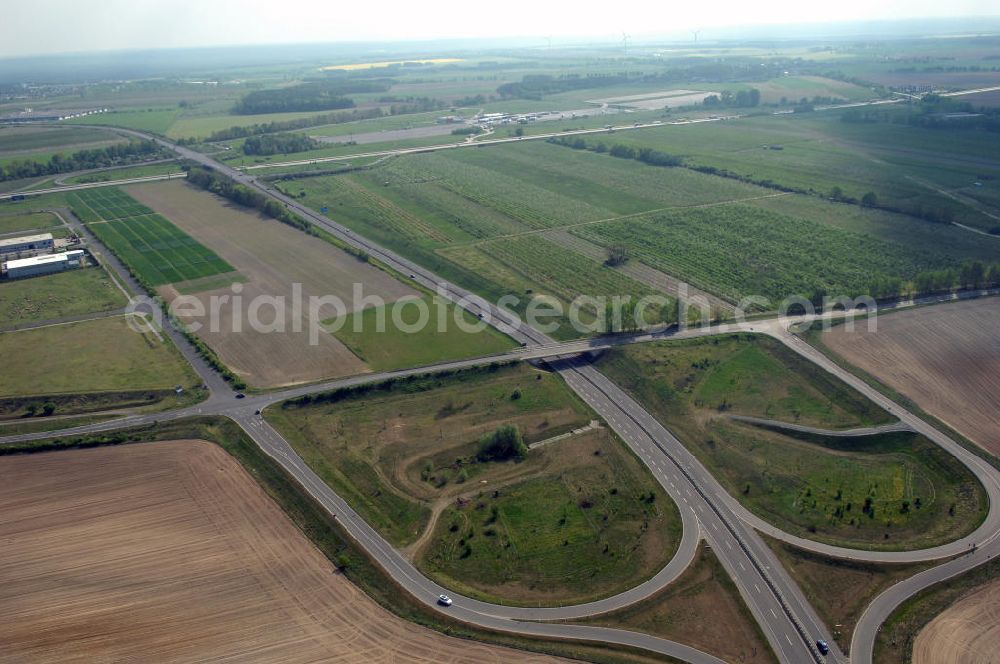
788 621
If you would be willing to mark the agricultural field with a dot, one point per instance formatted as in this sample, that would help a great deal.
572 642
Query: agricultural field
154 248
107 359
512 219
270 258
24 140
577 518
71 293
906 167
944 358
165 550
477 215
887 491
154 120
703 609
13 223
967 630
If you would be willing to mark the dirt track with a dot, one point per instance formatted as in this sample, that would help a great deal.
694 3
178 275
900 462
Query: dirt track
946 358
272 257
967 633
171 552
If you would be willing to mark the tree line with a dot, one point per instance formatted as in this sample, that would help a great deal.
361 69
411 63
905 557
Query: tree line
112 155
622 151
739 99
311 95
224 186
276 126
268 144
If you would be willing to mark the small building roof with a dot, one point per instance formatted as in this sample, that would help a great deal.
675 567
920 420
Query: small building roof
25 239
35 260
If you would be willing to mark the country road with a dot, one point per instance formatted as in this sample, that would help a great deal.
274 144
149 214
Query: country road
790 624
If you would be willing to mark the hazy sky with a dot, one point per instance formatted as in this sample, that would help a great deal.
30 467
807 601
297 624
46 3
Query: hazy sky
30 27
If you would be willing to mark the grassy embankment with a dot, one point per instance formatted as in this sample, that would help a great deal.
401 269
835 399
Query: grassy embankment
574 519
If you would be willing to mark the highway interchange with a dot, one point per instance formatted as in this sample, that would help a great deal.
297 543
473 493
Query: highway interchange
708 512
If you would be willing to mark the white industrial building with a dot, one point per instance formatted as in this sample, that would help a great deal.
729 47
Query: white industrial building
16 245
47 264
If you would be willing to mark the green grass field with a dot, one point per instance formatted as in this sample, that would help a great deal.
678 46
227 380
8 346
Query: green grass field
103 355
57 295
13 138
577 518
155 120
396 347
891 491
152 246
27 221
125 173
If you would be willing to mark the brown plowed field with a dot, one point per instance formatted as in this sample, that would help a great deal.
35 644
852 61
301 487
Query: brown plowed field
967 633
171 552
946 358
272 257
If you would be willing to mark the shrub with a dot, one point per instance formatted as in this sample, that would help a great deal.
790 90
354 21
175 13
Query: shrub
503 444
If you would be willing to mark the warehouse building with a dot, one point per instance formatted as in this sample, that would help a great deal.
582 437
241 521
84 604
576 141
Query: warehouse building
16 245
47 264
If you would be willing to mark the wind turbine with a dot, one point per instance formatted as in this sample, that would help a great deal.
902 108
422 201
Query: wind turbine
625 39
695 33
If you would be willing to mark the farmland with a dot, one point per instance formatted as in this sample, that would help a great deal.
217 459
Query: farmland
272 258
944 358
15 140
476 215
99 356
57 295
968 629
28 221
817 154
503 220
565 524
862 492
156 250
164 551
155 120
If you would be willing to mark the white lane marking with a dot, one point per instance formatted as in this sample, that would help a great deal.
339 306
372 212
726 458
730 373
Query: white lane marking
741 566
773 613
756 587
787 638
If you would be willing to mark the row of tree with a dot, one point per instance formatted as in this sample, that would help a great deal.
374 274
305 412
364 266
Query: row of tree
646 155
739 99
971 274
311 95
268 144
341 117
224 186
112 155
